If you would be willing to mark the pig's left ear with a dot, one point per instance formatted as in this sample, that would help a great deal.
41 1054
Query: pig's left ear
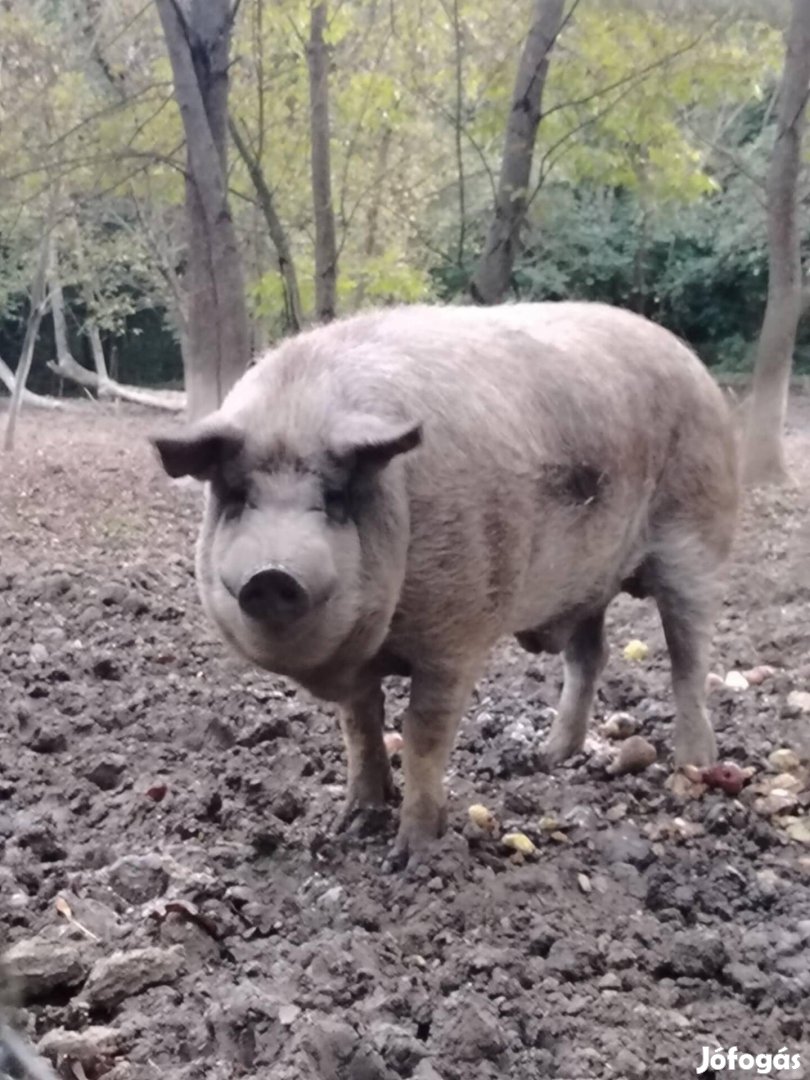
374 441
197 450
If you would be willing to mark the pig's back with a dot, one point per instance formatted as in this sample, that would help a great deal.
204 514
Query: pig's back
518 382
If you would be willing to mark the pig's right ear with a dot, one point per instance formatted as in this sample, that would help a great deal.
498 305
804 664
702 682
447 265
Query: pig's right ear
198 450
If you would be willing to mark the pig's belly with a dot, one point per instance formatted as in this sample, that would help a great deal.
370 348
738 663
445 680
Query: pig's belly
560 591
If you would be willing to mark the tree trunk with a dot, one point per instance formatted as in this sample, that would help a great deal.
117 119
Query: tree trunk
275 228
491 279
763 447
37 309
99 363
70 369
325 244
198 36
38 401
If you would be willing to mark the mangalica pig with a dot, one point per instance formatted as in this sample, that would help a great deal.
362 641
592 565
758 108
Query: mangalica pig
393 492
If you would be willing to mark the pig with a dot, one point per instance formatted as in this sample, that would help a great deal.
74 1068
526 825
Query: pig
392 493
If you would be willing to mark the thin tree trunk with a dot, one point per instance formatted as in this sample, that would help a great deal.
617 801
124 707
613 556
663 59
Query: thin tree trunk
492 275
99 363
325 244
37 309
198 35
275 228
370 247
763 447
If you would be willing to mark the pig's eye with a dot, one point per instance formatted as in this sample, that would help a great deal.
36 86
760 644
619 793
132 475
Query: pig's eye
336 504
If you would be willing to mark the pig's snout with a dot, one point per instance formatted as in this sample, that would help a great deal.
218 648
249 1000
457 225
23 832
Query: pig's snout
276 596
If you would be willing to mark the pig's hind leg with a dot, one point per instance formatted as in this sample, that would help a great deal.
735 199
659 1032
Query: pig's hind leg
370 784
685 589
585 656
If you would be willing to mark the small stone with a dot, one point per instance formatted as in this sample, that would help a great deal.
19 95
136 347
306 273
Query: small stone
393 743
481 817
610 981
735 680
41 965
784 759
38 653
757 675
584 882
287 1014
713 682
778 801
125 974
620 725
636 755
799 830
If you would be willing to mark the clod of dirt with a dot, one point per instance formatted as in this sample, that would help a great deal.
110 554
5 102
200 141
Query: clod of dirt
636 755
107 771
104 667
138 878
90 1048
41 965
695 955
124 974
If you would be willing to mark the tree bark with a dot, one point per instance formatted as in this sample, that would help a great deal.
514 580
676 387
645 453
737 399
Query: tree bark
763 446
325 244
492 275
275 228
37 309
198 36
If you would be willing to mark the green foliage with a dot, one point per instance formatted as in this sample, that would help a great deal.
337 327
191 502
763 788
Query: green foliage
646 189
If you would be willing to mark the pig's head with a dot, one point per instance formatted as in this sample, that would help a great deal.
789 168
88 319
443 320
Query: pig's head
302 549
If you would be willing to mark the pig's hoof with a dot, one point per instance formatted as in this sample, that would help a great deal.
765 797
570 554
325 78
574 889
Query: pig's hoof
700 751
356 820
559 746
417 833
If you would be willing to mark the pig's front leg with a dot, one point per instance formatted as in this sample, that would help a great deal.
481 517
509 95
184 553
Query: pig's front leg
437 703
370 784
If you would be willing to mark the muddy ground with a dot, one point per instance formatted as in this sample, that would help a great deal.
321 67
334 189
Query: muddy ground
165 798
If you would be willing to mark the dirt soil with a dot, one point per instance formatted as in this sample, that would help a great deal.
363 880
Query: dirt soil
175 902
